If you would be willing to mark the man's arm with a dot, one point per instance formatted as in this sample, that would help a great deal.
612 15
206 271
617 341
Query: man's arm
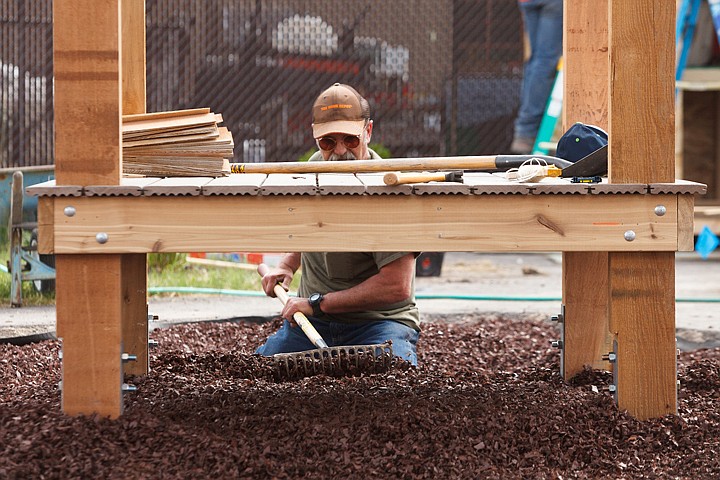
282 274
392 284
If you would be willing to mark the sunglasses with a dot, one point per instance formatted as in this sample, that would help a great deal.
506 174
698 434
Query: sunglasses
329 143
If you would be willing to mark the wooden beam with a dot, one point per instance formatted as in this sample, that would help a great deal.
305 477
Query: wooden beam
586 62
642 91
686 218
133 57
642 314
86 47
586 333
374 222
134 266
86 65
88 321
642 285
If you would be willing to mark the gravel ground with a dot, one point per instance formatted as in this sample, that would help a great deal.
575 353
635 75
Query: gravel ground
486 402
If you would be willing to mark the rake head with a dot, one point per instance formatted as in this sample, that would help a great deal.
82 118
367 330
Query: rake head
334 361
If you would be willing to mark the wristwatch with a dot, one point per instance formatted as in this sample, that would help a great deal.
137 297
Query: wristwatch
314 299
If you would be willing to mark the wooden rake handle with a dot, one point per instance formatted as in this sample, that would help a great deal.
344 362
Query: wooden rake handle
299 317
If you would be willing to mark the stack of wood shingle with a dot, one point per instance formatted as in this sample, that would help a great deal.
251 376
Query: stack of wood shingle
180 143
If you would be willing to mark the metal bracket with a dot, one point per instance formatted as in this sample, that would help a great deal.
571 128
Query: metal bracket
612 358
560 344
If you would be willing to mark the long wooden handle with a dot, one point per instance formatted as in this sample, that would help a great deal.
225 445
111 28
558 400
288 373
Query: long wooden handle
500 162
400 178
299 317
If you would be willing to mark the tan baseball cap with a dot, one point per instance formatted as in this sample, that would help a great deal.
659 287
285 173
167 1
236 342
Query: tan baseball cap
339 109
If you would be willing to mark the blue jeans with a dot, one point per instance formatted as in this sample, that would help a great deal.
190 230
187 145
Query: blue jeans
293 339
543 21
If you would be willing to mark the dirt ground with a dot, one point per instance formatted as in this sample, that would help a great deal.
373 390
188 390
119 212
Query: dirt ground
486 401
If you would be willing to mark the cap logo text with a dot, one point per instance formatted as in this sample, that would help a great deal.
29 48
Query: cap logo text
337 105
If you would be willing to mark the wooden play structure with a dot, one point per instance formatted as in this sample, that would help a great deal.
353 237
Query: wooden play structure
618 239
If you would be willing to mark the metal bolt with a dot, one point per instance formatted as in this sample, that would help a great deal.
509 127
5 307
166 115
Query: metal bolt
126 387
660 210
556 344
69 211
101 237
152 343
60 354
629 235
612 388
558 318
610 357
151 317
128 357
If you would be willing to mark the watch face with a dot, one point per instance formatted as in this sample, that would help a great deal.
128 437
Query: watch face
314 297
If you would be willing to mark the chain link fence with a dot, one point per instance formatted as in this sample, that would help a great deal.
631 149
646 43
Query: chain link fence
442 76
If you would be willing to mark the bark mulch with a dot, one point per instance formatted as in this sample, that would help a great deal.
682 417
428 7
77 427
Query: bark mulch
486 402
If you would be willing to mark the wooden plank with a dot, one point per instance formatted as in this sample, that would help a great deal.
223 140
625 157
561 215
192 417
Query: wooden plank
51 188
133 291
88 298
279 223
340 184
87 99
642 284
441 188
134 266
642 314
144 126
585 97
129 186
642 91
289 184
177 186
86 47
133 57
46 225
678 186
374 185
165 114
686 216
586 333
482 183
246 184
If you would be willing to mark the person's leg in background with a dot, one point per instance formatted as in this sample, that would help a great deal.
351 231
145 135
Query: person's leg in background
543 20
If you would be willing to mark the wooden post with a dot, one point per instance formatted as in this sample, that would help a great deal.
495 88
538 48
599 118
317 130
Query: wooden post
585 274
134 266
86 44
641 127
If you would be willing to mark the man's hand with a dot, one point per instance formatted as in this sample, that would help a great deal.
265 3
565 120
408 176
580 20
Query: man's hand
277 276
294 305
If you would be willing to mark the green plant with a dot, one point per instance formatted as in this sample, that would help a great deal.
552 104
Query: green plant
381 150
30 295
161 261
306 156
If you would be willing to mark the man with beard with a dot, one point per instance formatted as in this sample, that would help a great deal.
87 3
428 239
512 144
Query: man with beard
351 298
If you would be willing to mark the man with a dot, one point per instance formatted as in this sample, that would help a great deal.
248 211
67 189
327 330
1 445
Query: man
351 298
543 20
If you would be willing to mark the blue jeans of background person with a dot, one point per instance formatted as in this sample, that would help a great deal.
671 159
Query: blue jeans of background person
293 339
543 21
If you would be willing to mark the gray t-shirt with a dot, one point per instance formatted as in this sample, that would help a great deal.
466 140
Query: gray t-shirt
325 272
